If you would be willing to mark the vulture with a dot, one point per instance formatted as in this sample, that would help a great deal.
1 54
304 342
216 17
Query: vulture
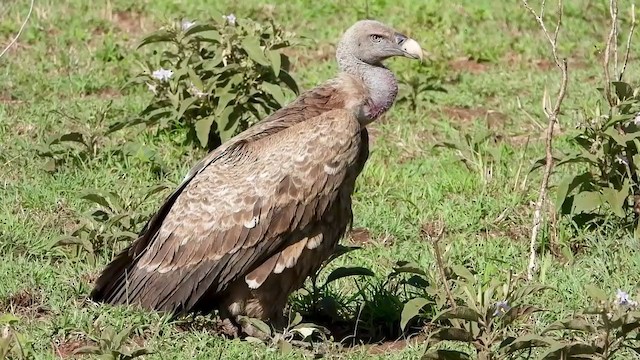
260 213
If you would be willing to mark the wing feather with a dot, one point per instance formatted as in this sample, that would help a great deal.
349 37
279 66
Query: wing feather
203 237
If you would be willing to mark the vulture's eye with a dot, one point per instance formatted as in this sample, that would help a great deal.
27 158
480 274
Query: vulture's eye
376 38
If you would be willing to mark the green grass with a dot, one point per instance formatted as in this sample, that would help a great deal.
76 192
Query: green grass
73 59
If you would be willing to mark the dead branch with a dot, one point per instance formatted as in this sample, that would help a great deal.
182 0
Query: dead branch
552 117
612 40
24 23
628 47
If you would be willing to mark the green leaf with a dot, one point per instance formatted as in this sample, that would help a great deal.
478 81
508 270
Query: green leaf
50 165
459 312
199 28
161 36
571 324
511 344
596 293
407 267
276 62
463 272
445 355
251 45
585 201
517 312
185 105
90 349
226 126
452 334
568 184
289 81
284 347
195 79
203 127
617 198
223 100
72 137
96 198
258 324
411 309
343 272
118 339
8 319
275 91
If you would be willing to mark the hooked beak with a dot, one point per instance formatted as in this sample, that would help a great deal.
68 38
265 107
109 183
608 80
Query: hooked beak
410 48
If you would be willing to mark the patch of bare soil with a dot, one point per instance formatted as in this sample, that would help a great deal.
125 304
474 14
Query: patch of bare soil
494 119
362 237
65 349
8 99
387 347
468 65
130 22
27 303
517 60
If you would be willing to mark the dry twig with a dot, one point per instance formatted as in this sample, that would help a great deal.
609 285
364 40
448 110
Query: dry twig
24 23
552 116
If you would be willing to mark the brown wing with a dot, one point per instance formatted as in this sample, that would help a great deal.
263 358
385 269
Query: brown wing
238 211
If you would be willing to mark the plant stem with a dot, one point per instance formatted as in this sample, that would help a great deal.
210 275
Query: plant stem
552 118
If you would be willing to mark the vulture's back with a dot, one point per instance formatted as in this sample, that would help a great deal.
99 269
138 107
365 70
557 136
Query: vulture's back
251 209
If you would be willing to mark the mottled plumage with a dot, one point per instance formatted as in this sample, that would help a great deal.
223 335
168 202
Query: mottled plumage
260 213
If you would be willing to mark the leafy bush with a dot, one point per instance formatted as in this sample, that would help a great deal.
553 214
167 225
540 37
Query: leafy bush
216 78
117 219
612 327
609 146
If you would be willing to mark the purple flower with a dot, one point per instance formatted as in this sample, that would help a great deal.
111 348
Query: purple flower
162 74
623 299
501 307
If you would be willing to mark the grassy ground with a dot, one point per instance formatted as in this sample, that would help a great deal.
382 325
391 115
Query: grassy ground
66 74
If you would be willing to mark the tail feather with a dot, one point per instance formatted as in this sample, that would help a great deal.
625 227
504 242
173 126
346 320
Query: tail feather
113 278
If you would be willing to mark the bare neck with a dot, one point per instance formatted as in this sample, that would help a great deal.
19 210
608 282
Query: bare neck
379 81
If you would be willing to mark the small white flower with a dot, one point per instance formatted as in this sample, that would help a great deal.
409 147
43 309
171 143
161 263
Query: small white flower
636 120
152 88
186 24
622 160
162 74
231 19
193 90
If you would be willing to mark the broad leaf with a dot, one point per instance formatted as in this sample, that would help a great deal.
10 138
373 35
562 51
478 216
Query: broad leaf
586 201
412 309
162 36
463 272
342 272
276 62
596 293
452 334
203 127
571 324
459 312
275 91
511 344
616 198
226 126
252 46
97 198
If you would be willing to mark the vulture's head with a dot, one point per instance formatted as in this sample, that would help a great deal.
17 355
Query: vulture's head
372 42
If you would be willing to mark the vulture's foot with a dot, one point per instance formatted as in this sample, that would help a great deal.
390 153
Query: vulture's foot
228 328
